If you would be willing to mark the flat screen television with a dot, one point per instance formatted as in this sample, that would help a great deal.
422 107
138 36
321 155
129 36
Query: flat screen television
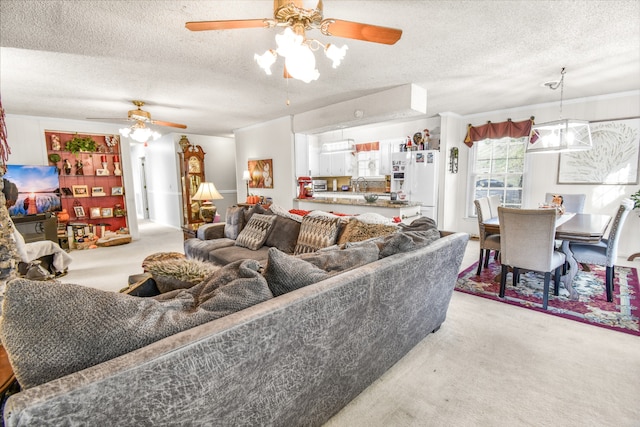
31 190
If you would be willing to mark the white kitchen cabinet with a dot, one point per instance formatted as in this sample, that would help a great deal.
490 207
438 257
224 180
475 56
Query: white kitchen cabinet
302 157
314 160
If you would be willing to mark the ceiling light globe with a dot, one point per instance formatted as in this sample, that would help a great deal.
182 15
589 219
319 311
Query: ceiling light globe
301 64
336 54
266 60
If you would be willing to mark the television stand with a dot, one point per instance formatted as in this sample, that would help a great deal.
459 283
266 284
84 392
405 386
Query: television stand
36 228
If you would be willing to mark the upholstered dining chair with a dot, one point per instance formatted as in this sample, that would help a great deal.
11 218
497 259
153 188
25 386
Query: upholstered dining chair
573 203
494 202
604 252
488 242
527 240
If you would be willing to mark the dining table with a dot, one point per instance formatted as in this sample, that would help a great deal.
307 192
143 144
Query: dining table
570 227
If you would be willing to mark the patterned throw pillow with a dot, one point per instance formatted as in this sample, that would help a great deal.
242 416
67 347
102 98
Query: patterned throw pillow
316 233
357 231
234 220
255 233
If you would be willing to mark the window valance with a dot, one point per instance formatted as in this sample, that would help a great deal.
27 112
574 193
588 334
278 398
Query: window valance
498 130
368 146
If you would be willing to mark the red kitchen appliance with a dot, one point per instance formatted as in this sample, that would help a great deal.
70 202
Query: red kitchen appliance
305 184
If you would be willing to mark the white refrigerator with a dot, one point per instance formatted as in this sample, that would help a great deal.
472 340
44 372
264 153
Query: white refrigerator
415 174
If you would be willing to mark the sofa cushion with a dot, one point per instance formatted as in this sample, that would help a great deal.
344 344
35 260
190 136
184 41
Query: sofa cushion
180 273
224 256
285 273
315 233
337 260
200 249
234 221
50 330
357 231
255 233
284 234
256 209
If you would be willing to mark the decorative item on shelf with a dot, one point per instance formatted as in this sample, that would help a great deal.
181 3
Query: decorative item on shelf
55 158
97 192
67 191
63 216
184 143
207 192
67 167
95 212
253 199
116 166
562 135
117 191
78 210
79 167
55 142
77 144
118 211
80 190
106 212
104 163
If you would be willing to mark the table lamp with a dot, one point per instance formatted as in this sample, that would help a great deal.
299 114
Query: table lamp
246 176
207 192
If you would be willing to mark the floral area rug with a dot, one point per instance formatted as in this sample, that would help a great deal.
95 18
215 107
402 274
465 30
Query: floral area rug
591 307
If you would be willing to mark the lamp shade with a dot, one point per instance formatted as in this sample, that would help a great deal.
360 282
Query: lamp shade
246 176
207 191
560 136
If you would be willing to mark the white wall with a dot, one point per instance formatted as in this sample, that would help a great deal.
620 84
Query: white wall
270 140
543 168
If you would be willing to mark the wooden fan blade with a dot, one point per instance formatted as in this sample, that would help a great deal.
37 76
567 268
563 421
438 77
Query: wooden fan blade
358 31
169 124
227 25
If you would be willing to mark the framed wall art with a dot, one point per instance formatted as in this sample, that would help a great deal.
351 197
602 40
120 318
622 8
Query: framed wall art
79 211
261 173
97 191
106 212
95 212
614 158
80 190
117 191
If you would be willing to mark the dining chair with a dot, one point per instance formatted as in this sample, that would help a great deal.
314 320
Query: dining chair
573 203
494 202
527 239
605 252
488 242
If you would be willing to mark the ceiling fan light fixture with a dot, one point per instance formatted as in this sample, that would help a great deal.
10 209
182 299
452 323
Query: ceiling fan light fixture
266 60
301 64
336 54
139 132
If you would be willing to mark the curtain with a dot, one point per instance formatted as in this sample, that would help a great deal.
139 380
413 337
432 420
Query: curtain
499 130
368 146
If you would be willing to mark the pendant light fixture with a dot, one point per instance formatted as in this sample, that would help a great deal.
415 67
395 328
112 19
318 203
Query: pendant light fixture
562 135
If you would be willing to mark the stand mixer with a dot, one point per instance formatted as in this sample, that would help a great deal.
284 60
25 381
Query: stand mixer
305 185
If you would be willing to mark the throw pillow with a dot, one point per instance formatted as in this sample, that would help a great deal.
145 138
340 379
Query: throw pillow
285 273
50 331
234 220
179 273
357 231
284 234
160 257
255 233
315 233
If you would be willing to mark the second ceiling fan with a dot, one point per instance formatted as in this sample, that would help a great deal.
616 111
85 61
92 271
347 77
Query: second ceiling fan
293 44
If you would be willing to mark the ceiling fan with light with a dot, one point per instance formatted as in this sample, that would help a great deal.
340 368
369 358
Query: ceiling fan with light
293 43
138 131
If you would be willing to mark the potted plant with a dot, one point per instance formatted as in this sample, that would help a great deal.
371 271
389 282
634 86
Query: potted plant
636 199
55 158
78 144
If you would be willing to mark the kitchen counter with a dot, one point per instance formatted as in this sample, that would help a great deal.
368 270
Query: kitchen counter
406 211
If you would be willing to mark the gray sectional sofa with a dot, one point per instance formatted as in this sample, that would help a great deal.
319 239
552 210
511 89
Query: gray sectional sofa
295 359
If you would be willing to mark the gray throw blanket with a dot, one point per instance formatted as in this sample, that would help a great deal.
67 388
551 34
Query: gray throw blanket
50 330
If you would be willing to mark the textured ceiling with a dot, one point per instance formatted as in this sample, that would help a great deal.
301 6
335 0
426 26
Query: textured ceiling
80 59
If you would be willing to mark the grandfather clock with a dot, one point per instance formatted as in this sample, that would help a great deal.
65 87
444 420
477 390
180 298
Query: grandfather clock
192 174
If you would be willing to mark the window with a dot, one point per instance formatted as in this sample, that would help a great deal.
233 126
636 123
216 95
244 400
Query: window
498 168
368 163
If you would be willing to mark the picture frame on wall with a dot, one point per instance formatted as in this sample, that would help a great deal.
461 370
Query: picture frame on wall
97 191
106 212
95 212
117 191
79 211
261 173
614 158
80 190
